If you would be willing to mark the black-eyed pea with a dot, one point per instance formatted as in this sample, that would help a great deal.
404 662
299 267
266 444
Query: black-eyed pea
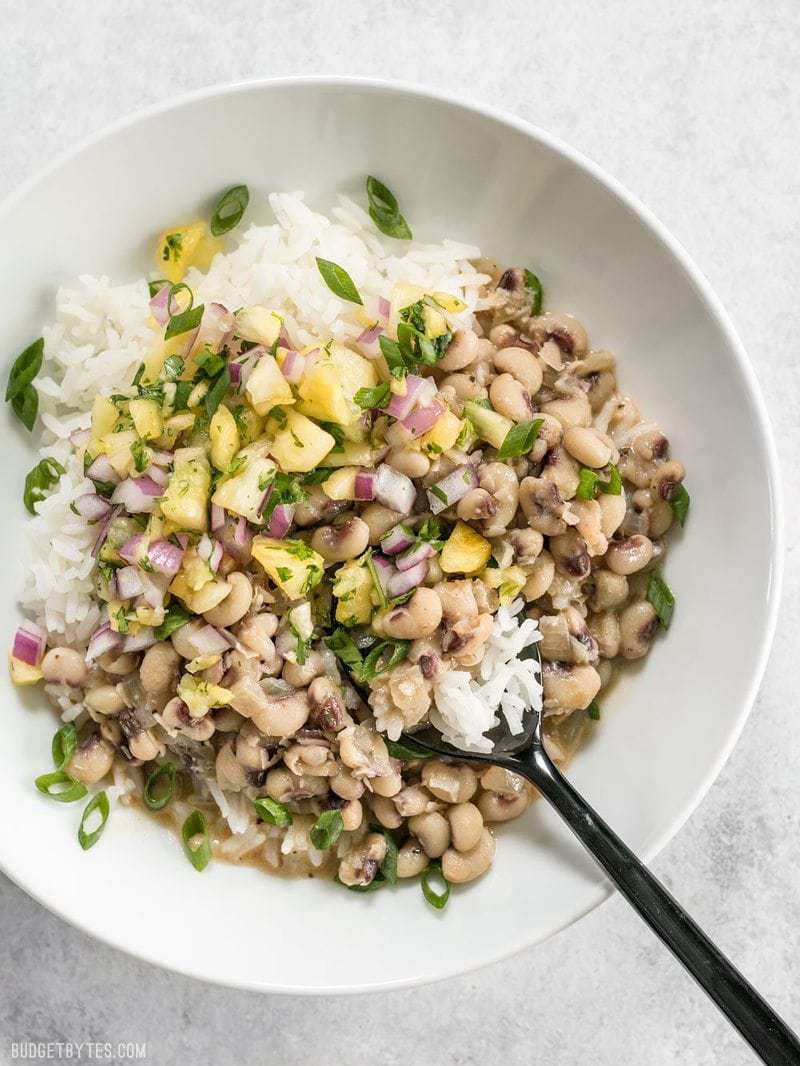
540 577
612 512
501 806
64 666
451 782
91 760
301 675
411 859
361 863
117 665
352 815
343 540
637 624
605 630
230 773
387 785
111 731
235 605
279 784
412 800
562 470
499 779
571 411
629 555
588 446
418 618
661 517
462 350
570 554
466 825
409 461
503 335
144 746
105 699
610 590
605 669
459 867
666 479
159 669
511 398
432 831
568 688
385 811
522 365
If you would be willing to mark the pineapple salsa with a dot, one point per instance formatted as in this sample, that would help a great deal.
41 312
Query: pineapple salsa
317 522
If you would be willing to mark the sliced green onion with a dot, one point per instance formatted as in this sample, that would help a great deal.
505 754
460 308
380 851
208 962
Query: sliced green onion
199 855
679 502
406 751
184 322
216 394
612 487
534 287
155 287
272 812
155 796
326 830
98 802
590 483
25 406
520 439
65 741
176 616
586 483
385 211
660 595
338 281
389 864
377 397
435 888
594 711
229 210
174 292
26 367
48 785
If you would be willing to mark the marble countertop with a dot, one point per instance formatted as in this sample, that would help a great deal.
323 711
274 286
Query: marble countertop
695 107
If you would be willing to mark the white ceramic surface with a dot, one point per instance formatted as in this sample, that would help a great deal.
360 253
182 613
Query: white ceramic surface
483 177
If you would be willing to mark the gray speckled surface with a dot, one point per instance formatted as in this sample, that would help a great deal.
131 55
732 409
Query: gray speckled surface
695 107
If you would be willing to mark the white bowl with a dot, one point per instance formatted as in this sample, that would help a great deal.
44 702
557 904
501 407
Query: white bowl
470 173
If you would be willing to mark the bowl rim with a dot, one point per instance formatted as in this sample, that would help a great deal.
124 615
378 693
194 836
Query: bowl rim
708 297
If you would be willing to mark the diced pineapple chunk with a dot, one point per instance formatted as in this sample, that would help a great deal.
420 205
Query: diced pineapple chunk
435 322
353 455
185 499
249 424
267 387
327 389
342 484
301 444
147 420
22 674
117 447
224 438
293 566
150 616
159 353
201 600
200 695
449 303
442 435
243 493
104 418
465 551
355 593
181 247
508 580
258 325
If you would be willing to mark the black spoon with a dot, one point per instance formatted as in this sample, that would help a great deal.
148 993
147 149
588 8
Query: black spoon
524 754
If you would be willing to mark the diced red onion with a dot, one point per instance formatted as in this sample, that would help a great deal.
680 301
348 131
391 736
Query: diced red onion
394 490
280 520
404 581
397 436
145 638
384 308
248 364
365 485
293 366
235 371
102 640
421 420
28 644
159 305
217 517
100 469
370 334
165 557
401 406
414 555
79 438
205 547
103 533
154 587
183 540
129 582
283 338
137 494
311 359
162 458
384 568
92 507
217 320
453 487
134 549
155 473
206 641
397 540
216 556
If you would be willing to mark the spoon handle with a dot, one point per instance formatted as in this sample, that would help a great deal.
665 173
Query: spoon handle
761 1027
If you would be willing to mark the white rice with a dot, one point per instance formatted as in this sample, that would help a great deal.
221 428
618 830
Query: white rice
103 332
467 707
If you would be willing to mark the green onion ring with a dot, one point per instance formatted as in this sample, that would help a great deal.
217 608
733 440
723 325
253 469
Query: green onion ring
46 782
434 894
166 770
196 825
65 741
98 802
